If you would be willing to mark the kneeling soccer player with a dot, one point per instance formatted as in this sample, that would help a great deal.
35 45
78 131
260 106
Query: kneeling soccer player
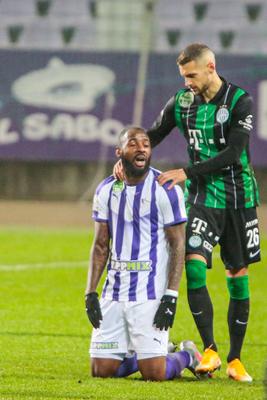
140 236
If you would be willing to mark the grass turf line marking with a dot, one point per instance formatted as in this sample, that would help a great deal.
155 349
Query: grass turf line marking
59 264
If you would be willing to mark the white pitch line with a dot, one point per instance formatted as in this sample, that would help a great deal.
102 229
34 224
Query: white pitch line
68 264
59 264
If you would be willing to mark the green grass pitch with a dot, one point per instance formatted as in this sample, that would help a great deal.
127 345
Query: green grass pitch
44 331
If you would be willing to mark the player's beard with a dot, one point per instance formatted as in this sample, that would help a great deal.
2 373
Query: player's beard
203 90
131 170
200 91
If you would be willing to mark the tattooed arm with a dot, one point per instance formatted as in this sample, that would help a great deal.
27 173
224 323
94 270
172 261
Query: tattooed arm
176 238
164 317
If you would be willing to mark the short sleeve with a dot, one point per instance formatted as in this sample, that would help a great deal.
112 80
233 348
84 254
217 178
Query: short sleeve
172 205
100 210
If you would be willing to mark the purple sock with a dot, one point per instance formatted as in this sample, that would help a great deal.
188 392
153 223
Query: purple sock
175 363
127 367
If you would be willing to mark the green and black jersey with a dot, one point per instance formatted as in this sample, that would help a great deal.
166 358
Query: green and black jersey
217 133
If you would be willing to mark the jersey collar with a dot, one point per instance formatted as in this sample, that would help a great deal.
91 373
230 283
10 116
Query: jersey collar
221 92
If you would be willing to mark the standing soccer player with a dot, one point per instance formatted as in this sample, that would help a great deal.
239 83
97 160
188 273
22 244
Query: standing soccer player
140 236
216 119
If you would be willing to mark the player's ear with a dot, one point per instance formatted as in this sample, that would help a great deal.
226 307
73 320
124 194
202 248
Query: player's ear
118 152
211 66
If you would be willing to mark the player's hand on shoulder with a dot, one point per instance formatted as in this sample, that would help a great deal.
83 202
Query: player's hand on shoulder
118 171
174 175
165 314
93 309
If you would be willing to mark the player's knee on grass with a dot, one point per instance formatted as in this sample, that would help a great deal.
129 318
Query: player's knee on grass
195 274
153 369
104 367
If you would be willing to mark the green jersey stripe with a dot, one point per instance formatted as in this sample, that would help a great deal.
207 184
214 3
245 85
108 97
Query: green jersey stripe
238 93
206 128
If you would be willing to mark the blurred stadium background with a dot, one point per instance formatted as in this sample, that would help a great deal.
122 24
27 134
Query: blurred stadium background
74 72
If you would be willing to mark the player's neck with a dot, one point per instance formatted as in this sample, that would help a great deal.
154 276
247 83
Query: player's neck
213 88
134 180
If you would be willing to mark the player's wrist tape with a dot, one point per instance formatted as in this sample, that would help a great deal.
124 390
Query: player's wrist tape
170 292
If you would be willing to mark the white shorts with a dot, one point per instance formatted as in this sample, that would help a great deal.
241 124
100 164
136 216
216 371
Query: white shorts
128 327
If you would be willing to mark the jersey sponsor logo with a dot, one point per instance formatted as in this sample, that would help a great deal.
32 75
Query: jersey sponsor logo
207 246
104 345
186 99
195 241
195 138
222 115
198 225
118 186
131 266
247 124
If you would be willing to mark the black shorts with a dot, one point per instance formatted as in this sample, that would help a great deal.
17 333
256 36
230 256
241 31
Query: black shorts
236 231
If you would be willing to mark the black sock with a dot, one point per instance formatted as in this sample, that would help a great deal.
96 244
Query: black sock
238 313
202 311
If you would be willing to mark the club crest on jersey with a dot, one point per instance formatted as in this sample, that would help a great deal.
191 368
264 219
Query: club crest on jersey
186 99
222 115
195 241
117 186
